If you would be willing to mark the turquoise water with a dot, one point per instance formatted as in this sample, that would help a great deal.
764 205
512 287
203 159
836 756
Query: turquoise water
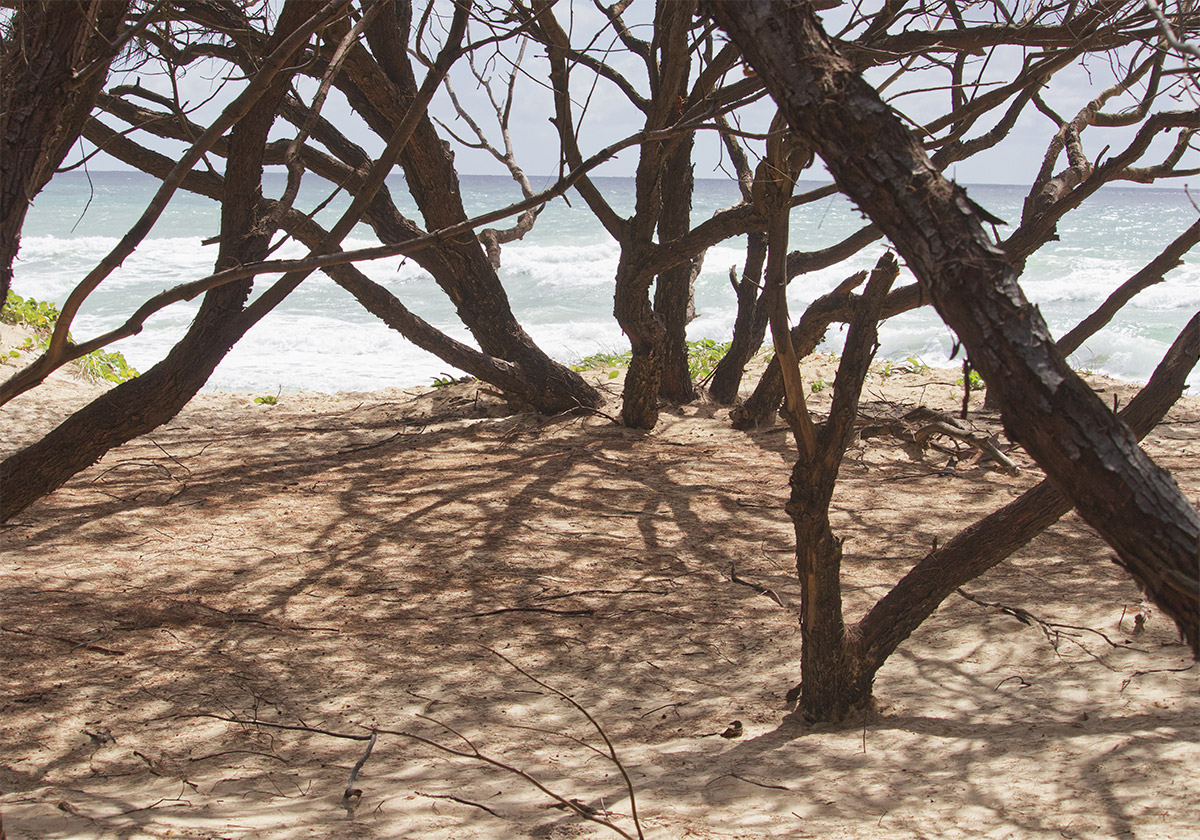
560 280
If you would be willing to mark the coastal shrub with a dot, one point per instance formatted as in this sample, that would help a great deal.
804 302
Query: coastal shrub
975 379
41 316
910 365
703 356
446 380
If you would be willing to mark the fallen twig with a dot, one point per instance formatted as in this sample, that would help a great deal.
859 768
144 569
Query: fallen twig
459 799
65 640
1051 629
350 789
531 609
761 590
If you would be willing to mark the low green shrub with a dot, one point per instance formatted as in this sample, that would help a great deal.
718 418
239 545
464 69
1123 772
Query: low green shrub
977 383
703 356
41 316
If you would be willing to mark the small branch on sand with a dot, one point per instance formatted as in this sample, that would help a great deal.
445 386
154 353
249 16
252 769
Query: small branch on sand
531 609
459 799
352 791
65 640
761 590
1051 629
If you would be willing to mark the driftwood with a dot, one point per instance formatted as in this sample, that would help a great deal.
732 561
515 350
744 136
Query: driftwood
921 424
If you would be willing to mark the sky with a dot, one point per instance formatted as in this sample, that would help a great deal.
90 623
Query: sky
609 116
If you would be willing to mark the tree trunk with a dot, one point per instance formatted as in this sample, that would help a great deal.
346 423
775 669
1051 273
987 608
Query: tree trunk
1089 454
55 61
991 540
142 404
460 266
673 294
749 325
838 305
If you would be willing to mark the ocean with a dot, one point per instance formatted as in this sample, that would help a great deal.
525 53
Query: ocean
560 280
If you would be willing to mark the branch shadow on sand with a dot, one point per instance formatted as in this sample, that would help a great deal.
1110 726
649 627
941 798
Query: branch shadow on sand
350 565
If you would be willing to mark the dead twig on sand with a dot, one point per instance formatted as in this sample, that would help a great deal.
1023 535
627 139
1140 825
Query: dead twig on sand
1051 629
352 791
458 799
472 752
75 643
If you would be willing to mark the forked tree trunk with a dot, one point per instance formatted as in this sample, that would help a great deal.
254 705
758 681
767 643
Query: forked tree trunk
980 547
1074 437
56 58
647 337
140 405
832 679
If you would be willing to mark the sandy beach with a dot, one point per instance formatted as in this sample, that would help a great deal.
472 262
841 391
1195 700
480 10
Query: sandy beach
395 559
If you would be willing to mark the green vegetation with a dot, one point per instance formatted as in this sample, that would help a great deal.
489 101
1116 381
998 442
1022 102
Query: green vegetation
446 380
910 365
41 316
818 386
267 400
703 356
614 363
977 383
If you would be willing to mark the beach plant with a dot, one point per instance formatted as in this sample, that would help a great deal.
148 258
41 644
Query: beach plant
613 362
41 316
446 380
703 356
915 365
267 400
976 381
910 365
818 386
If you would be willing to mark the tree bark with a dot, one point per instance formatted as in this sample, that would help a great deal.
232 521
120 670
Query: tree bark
1085 450
461 267
991 540
673 294
140 405
55 61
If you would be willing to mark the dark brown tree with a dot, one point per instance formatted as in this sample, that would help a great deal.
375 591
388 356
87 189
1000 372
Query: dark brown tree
142 404
54 60
1089 454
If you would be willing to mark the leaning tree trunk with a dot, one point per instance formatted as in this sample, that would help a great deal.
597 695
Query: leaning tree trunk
56 58
749 325
142 404
460 266
839 305
1084 449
